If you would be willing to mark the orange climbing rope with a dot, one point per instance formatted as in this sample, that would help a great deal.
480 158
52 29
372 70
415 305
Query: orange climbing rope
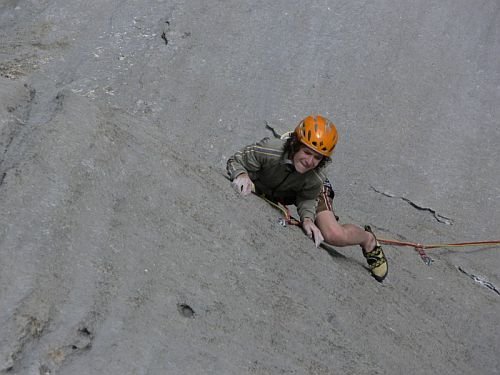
419 248
438 245
287 216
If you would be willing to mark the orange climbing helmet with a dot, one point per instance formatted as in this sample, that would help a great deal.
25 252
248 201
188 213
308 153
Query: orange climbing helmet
317 133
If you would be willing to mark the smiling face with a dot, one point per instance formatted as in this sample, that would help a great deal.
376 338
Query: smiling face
306 159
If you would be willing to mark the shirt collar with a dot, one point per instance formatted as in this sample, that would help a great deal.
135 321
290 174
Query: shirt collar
288 163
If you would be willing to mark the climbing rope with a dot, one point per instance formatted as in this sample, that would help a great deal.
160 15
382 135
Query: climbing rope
288 219
420 248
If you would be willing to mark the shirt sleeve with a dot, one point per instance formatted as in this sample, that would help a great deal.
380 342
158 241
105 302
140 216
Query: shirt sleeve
246 160
307 199
307 204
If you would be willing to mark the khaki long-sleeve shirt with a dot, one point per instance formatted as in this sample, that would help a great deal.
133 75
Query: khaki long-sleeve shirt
274 175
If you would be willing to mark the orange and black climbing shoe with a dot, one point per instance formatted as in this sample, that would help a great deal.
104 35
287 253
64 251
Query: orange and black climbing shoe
376 259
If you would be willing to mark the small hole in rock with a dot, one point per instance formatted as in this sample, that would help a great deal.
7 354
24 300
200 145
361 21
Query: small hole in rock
84 331
185 310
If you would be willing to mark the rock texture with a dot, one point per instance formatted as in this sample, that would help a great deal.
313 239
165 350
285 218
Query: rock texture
123 249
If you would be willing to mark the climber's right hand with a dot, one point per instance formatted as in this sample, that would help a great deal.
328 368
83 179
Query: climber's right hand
243 185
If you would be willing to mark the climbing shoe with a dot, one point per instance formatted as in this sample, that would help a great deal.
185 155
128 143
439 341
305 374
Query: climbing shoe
376 259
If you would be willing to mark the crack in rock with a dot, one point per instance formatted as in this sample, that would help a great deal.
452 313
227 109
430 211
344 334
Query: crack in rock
481 280
164 37
270 128
440 218
18 104
165 31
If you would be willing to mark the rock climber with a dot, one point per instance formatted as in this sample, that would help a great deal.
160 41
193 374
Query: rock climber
291 170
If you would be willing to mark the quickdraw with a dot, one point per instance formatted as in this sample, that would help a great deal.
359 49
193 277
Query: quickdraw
287 218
